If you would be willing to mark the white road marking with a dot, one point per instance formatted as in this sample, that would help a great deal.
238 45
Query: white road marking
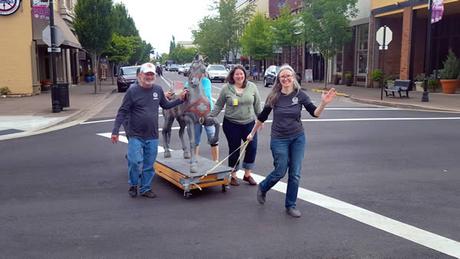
123 139
337 120
362 108
403 230
406 231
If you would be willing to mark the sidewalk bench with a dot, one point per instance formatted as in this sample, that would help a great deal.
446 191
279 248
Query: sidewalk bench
400 86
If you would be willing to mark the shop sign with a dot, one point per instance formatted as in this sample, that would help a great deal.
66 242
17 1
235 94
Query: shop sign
40 9
8 7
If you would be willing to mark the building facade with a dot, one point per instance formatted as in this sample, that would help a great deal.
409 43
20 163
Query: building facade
408 21
24 58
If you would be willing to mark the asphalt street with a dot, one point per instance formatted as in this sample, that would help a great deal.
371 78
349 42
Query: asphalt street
377 182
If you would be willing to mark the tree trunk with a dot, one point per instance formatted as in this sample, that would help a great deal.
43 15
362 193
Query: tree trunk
111 72
326 61
95 68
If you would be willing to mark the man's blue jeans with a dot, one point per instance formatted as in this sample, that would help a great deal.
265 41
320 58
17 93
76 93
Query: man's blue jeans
288 154
141 156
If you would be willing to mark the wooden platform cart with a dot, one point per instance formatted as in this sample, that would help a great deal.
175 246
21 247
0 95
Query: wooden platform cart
176 170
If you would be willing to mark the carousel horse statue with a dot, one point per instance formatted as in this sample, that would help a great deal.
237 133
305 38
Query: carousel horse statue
195 109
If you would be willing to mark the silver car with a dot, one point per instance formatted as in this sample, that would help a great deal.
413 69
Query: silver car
217 72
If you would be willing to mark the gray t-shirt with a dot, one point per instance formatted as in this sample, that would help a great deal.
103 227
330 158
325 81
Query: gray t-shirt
140 106
287 114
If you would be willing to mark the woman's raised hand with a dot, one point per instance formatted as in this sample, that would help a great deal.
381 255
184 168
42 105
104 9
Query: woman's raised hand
328 96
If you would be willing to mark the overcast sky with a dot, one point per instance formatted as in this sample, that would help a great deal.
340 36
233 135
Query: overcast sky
158 20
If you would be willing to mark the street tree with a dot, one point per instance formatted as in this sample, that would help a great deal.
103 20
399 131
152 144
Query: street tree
218 36
172 44
327 26
120 50
287 29
257 38
183 55
232 23
123 24
93 26
208 39
142 51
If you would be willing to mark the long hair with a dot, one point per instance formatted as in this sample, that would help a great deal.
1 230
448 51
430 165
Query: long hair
274 95
232 73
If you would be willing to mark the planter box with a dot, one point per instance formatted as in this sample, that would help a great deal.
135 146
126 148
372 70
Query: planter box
418 86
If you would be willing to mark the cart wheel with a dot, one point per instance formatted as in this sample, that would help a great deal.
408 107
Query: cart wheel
187 195
224 188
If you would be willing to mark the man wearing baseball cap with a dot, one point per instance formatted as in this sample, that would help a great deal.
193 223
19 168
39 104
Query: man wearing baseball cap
140 106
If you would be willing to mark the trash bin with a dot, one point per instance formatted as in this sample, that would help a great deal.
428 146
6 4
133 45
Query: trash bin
63 95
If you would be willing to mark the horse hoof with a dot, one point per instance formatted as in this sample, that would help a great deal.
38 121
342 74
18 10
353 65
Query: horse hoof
187 155
193 168
167 154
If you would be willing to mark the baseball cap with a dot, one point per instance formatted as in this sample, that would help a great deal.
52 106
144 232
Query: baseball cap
148 67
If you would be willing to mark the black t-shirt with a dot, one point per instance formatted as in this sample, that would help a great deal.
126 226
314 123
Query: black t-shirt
287 114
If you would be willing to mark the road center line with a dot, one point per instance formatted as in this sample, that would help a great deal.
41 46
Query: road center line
403 230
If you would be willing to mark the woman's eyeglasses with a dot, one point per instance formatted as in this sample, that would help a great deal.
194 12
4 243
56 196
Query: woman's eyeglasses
285 76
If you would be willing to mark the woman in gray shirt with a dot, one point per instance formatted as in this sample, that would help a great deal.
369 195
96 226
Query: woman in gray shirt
242 104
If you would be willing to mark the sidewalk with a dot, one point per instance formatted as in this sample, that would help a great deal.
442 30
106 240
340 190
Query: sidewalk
437 101
24 116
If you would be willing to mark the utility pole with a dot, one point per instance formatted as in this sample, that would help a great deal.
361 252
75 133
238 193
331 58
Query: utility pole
425 97
55 104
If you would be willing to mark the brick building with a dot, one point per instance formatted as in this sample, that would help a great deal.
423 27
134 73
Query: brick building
405 57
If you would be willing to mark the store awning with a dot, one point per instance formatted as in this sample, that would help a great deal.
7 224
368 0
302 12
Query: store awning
38 25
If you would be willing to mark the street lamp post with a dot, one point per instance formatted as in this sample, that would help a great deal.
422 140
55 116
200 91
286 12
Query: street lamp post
55 104
425 97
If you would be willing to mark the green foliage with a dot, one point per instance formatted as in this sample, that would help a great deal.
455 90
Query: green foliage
256 40
451 67
122 23
183 55
141 52
172 44
287 28
377 75
327 24
93 24
4 90
120 48
208 39
217 37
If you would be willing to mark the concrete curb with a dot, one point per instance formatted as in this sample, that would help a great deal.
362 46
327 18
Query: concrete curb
67 121
400 105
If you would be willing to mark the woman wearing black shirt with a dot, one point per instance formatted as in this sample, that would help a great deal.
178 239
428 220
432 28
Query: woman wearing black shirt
287 134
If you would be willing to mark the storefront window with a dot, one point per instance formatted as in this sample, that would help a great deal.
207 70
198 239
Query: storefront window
361 48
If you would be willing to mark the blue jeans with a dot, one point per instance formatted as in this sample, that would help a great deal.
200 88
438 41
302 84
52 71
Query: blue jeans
287 155
210 131
141 156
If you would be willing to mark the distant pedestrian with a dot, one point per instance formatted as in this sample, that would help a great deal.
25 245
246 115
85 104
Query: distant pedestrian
140 104
255 73
287 134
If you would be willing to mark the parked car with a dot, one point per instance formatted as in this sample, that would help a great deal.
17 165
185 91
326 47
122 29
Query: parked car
217 72
180 69
173 67
187 69
270 75
126 76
